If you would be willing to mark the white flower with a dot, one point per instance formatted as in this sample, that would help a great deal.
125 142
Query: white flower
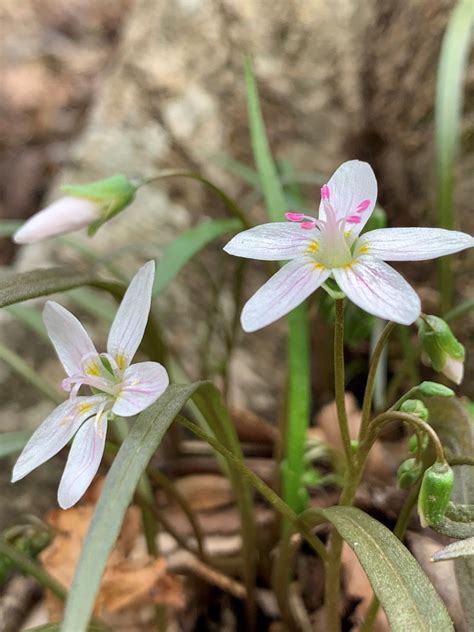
63 216
119 387
331 246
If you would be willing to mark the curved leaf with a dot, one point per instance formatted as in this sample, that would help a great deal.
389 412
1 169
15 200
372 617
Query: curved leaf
463 548
188 244
405 592
21 286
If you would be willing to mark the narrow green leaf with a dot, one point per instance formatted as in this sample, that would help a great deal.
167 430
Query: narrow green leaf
187 245
405 592
12 442
463 548
135 452
449 103
298 337
94 304
268 175
21 286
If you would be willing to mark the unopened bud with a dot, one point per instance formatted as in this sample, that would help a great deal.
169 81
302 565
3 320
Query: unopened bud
444 351
84 205
408 473
435 493
415 407
433 389
413 443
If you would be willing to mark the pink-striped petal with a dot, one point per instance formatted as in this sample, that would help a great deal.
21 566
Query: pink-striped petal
379 289
278 241
352 193
68 336
130 321
63 216
83 461
413 244
143 383
54 433
284 291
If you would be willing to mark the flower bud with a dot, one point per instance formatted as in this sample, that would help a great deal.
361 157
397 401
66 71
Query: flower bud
415 407
413 443
435 493
84 205
445 352
408 473
433 389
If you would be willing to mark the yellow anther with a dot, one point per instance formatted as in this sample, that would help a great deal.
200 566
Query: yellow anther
121 361
84 407
364 248
93 369
318 266
312 248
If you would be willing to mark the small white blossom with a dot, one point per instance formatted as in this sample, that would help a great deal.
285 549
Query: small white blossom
330 246
119 387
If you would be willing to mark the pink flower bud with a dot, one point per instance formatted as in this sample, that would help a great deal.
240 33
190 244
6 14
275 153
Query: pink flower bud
63 216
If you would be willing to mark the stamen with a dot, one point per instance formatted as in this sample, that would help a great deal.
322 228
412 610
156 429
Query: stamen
363 206
353 219
308 225
294 217
325 192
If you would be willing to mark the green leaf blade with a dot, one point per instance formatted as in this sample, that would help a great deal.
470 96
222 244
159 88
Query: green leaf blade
136 451
12 442
405 592
188 244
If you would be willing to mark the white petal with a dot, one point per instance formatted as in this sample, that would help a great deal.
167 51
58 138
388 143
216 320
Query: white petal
54 433
143 383
351 184
130 321
284 291
83 462
379 289
68 336
63 216
413 244
454 370
279 241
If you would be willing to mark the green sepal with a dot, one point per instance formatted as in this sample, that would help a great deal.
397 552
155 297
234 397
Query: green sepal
111 195
435 493
439 342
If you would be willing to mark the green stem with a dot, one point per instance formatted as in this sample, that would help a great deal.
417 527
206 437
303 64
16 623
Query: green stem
413 420
267 492
281 576
22 369
369 388
339 382
232 207
461 460
399 531
459 310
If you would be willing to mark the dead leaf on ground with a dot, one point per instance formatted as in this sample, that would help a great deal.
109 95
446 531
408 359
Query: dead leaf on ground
132 579
204 491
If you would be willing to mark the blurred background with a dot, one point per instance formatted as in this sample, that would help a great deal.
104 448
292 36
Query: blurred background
93 87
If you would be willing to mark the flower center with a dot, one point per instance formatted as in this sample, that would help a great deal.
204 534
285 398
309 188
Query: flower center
332 247
100 372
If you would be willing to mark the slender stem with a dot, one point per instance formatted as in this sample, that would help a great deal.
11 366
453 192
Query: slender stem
413 420
22 369
332 587
281 575
174 495
267 492
369 389
399 531
461 460
31 568
339 382
232 207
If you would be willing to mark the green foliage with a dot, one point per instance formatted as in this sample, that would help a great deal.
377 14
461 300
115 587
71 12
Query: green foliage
12 442
406 594
187 245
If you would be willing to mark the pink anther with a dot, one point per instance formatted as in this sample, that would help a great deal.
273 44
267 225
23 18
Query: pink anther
294 217
325 192
364 205
308 225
